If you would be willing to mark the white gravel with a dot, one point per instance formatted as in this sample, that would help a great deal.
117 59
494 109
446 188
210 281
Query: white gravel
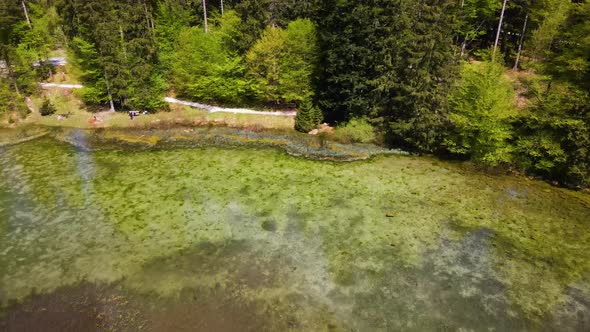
209 108
215 109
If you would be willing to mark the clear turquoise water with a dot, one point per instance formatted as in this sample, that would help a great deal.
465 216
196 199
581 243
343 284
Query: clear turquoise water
244 238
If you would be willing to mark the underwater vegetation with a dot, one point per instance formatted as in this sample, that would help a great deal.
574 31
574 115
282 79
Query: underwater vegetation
211 218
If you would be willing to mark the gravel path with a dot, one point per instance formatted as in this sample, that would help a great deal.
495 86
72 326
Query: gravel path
215 109
209 108
62 86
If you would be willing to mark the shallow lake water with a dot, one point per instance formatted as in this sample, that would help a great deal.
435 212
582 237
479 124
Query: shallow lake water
132 237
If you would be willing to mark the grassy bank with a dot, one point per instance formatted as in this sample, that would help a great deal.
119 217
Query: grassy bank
66 102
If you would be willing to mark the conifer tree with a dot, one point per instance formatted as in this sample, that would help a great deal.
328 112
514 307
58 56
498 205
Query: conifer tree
308 117
415 105
391 61
123 63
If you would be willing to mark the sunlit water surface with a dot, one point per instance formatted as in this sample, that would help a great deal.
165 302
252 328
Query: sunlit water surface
246 239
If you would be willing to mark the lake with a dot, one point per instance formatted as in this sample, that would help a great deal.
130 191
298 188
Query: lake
106 232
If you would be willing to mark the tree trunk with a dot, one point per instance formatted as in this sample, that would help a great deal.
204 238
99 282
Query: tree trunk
467 42
16 89
26 13
111 103
221 7
123 42
499 29
463 47
526 19
147 16
205 16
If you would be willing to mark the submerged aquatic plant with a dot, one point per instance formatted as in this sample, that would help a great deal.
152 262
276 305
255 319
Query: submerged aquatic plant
293 235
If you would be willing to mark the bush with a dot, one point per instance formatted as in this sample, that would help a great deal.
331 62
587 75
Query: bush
308 117
356 131
47 108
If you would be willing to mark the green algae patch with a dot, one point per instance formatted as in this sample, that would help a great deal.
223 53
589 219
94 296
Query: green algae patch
293 143
187 215
541 239
129 137
20 135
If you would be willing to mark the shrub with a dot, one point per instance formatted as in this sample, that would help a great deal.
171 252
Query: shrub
308 117
47 108
356 131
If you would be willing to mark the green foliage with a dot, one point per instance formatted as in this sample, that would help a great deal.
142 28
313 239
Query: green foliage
308 117
475 19
47 108
554 135
391 62
299 61
282 62
10 101
482 104
95 91
23 45
117 52
570 59
264 63
205 69
350 50
356 131
552 17
257 15
228 30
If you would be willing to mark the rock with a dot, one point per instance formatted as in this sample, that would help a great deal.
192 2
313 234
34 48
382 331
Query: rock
325 128
314 132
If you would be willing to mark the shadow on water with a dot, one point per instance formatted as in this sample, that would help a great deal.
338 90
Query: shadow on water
226 286
455 288
233 286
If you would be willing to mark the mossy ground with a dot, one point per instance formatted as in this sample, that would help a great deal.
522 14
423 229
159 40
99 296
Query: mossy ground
465 250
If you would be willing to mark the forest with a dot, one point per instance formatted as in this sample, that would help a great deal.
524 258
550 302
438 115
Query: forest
502 83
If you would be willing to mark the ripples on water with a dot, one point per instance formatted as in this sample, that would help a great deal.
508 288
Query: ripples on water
235 239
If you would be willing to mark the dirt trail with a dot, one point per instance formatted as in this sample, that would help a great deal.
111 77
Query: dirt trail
209 108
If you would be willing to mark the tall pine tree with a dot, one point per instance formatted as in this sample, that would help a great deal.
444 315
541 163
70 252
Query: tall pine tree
390 61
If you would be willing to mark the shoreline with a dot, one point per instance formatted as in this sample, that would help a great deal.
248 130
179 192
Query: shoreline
291 142
179 136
